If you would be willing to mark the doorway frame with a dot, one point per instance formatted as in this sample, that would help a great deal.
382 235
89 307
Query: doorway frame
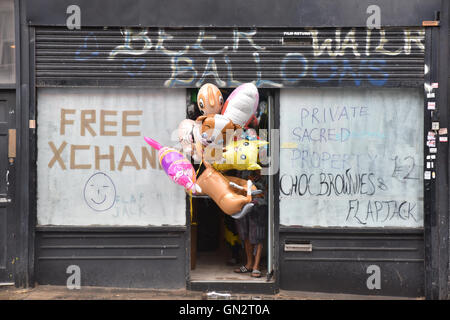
11 216
268 287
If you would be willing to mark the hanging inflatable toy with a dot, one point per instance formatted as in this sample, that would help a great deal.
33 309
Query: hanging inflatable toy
241 105
209 99
224 193
239 184
209 102
213 129
177 167
240 155
186 136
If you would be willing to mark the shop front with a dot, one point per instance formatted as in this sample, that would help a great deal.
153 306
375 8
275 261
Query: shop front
354 148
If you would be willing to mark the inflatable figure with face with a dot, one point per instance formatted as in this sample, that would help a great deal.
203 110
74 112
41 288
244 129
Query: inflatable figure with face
210 133
209 99
213 129
240 155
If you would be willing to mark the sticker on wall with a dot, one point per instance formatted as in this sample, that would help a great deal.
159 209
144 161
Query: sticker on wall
431 105
435 125
435 85
431 143
427 175
289 145
443 139
442 131
430 95
433 150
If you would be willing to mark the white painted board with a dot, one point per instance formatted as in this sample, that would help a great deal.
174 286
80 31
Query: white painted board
86 189
351 157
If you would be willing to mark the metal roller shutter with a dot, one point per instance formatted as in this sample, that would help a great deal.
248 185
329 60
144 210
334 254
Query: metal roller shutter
188 57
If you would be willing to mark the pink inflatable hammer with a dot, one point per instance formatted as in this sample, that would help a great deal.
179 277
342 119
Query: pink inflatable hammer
176 166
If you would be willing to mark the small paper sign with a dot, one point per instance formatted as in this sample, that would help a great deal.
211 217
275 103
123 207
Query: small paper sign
431 105
433 150
430 95
435 126
427 175
435 85
442 131
443 139
289 145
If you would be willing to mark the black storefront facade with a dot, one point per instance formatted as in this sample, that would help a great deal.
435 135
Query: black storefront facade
361 184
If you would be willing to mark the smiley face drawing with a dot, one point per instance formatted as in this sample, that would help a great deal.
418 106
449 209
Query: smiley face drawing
100 192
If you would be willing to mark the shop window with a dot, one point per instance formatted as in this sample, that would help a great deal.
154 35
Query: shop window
7 43
93 165
352 157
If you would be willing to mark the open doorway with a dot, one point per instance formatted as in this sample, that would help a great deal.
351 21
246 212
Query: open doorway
218 247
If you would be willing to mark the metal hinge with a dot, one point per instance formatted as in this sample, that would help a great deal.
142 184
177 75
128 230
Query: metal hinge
4 199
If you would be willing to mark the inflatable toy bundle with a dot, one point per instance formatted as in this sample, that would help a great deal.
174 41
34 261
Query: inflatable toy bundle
217 140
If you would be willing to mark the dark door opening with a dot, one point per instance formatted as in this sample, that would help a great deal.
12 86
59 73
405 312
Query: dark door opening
217 249
7 154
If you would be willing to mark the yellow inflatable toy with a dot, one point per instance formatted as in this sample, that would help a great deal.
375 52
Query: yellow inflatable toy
240 155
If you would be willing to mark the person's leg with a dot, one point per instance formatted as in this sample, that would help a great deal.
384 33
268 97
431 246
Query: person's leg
249 254
257 256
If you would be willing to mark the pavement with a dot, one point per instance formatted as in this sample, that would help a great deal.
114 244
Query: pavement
46 292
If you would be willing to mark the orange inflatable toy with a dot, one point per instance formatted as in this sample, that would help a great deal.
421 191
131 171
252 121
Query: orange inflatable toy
209 99
219 188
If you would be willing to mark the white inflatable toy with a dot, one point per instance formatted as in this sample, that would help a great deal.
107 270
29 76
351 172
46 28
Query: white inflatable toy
241 104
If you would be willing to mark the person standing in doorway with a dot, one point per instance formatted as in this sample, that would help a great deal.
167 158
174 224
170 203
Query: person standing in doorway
252 227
